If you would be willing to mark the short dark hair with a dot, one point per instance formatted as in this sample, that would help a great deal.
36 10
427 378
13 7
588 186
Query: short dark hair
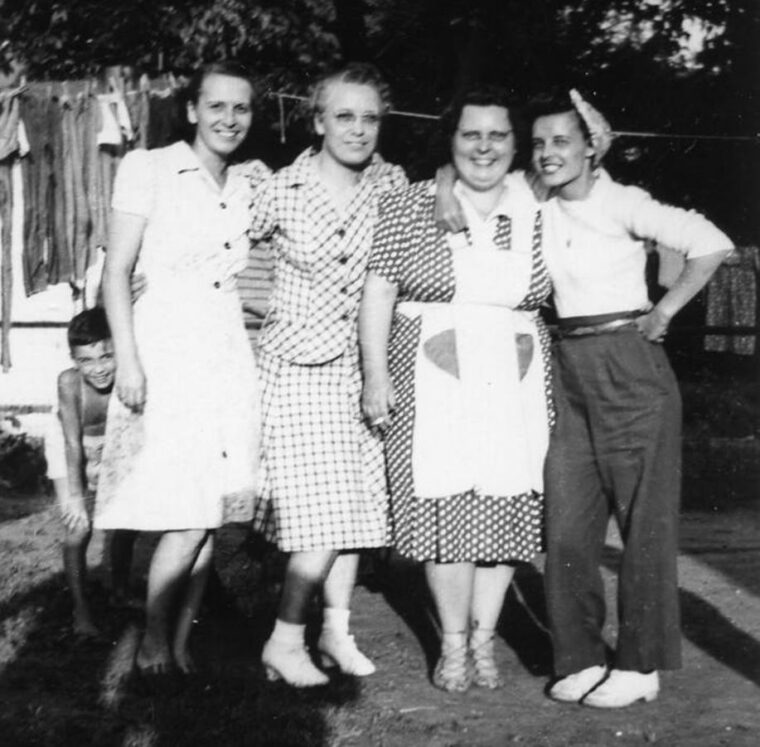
232 68
88 327
553 102
485 95
361 73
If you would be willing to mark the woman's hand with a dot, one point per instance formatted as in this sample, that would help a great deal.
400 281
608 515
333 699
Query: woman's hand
378 401
447 213
74 513
131 386
138 284
653 325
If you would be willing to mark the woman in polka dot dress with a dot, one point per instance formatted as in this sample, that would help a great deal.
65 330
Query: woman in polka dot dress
455 367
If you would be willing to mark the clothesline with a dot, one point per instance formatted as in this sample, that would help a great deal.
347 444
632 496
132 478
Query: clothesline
616 133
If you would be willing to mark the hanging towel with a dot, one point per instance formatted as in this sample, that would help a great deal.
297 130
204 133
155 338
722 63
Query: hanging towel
732 302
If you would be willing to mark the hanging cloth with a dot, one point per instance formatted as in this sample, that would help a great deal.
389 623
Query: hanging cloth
732 302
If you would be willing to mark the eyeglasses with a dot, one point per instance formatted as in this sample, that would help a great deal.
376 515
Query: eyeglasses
350 119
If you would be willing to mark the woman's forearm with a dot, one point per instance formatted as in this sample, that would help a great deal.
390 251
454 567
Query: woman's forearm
118 304
375 315
124 245
694 276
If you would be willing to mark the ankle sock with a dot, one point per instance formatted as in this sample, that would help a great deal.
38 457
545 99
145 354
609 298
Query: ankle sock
291 634
336 620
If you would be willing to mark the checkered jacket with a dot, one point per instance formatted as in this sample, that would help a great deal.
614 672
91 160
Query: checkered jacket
320 257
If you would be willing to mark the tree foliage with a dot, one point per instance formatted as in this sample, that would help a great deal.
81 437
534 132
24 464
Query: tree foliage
673 65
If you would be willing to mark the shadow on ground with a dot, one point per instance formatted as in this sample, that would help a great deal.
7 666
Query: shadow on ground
59 690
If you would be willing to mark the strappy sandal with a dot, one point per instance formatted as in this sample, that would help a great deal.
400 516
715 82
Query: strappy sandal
453 672
486 672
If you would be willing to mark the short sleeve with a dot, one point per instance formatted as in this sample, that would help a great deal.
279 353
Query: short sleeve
134 186
254 172
262 210
391 236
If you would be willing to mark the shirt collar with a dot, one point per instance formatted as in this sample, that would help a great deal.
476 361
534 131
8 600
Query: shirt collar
302 169
503 207
183 160
182 157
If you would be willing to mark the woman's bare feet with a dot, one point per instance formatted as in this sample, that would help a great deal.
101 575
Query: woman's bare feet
152 658
83 626
184 661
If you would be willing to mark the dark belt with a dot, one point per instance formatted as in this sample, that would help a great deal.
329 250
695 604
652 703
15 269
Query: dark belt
602 324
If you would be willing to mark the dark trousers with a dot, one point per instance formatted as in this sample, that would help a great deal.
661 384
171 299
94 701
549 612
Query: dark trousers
616 448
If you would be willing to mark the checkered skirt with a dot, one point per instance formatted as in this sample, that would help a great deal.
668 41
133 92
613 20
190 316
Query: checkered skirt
322 470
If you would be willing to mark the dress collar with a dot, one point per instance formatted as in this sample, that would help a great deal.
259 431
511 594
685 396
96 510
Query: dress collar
302 170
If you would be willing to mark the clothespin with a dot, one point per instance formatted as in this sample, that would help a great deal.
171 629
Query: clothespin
281 109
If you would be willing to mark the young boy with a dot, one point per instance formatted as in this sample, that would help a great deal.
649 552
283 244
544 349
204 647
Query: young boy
73 452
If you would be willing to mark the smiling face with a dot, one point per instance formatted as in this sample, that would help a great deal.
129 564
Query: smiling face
96 363
562 156
483 146
349 123
222 115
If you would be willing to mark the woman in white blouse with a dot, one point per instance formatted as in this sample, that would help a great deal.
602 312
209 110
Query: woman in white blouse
182 434
617 445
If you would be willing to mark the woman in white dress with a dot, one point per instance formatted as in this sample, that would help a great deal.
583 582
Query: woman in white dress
182 435
454 358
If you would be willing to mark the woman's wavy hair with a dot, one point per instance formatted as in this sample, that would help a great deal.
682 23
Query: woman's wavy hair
554 101
361 73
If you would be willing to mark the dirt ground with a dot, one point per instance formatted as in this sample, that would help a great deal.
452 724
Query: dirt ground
55 690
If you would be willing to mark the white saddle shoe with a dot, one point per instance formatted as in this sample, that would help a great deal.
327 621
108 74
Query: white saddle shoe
623 688
576 686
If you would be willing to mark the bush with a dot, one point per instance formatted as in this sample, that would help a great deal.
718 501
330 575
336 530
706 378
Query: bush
22 460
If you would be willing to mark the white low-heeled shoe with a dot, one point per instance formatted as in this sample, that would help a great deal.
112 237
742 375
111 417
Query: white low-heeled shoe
342 651
292 664
574 687
623 688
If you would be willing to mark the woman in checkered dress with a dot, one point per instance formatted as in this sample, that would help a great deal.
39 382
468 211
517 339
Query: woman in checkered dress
323 482
455 367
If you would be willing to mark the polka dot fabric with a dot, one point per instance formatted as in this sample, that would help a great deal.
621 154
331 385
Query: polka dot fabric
412 253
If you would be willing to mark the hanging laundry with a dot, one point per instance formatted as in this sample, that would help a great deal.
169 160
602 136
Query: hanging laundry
9 120
138 106
75 196
115 122
732 302
163 120
6 272
45 257
12 141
